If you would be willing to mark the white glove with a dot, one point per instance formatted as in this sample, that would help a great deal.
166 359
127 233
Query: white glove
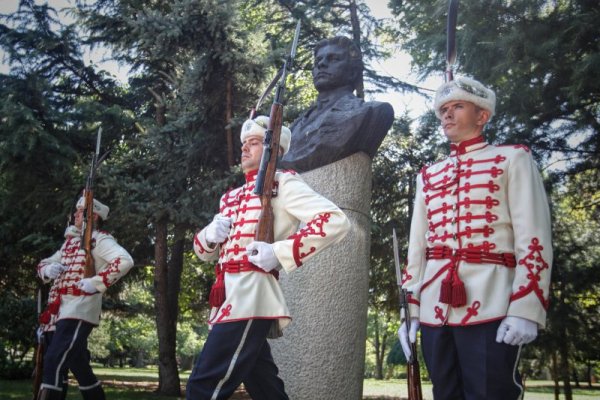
87 285
53 270
218 229
406 336
516 331
262 255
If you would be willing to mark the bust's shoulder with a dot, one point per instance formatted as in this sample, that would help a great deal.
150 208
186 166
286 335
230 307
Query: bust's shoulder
348 101
351 102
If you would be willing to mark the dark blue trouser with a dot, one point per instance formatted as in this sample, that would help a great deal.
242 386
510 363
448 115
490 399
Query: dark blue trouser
68 351
466 363
65 379
236 352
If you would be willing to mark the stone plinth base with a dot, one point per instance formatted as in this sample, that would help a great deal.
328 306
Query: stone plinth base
321 355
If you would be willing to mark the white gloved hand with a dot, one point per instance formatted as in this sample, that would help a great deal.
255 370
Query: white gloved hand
405 336
516 331
53 270
262 255
87 285
218 229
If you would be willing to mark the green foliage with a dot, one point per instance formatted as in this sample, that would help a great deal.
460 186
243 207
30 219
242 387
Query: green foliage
396 355
541 57
17 335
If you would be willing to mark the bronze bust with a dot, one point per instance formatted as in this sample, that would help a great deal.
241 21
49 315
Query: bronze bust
339 123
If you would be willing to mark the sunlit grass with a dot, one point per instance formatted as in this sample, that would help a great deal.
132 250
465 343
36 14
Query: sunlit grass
141 383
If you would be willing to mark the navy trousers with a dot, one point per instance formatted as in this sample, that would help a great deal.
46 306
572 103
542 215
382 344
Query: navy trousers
466 363
64 379
68 351
234 353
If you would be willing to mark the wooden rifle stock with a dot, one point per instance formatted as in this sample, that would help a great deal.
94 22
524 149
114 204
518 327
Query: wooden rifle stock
88 217
89 268
413 372
413 375
265 182
39 369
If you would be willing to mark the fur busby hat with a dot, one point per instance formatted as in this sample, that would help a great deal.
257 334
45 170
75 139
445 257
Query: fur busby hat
99 208
465 89
258 126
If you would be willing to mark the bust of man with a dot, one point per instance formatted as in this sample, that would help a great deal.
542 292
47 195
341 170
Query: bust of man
339 123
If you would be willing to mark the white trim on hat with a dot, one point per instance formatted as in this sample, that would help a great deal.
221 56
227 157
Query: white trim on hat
99 208
258 126
466 89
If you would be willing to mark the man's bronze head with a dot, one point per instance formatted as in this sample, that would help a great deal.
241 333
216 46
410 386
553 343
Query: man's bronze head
337 62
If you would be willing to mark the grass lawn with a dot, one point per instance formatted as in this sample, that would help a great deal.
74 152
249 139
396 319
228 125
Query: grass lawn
140 383
395 389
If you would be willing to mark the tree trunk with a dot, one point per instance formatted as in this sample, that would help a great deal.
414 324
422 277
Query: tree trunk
565 368
166 321
355 22
378 363
555 376
383 350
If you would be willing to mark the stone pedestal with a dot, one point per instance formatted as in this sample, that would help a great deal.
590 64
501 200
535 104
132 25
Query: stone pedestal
321 354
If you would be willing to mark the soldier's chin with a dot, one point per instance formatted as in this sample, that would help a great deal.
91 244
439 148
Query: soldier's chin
248 166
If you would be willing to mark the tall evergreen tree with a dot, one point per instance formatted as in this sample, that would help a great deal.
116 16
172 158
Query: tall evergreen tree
51 106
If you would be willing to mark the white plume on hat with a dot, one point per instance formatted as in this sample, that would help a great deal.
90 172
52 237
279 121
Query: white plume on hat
99 208
258 126
465 89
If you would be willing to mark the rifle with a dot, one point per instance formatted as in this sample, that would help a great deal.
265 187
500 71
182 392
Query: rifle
88 210
39 355
268 161
270 87
413 372
451 38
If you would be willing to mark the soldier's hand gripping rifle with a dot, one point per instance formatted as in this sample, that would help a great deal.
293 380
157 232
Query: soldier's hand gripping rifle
88 210
413 373
451 38
268 162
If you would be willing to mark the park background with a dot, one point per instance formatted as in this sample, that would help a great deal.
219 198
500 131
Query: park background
171 81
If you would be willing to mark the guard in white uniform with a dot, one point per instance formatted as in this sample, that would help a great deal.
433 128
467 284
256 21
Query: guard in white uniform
247 302
75 303
479 255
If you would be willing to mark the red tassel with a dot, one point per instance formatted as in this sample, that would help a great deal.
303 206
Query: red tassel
446 290
54 307
459 294
44 318
217 292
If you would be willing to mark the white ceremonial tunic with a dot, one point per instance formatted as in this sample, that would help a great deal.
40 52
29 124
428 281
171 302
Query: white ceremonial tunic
481 218
254 294
66 300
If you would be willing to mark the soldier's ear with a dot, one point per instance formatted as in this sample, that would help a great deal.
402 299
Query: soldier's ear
483 116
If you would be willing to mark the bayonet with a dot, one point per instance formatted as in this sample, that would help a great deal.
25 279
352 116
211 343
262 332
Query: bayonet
451 38
397 258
